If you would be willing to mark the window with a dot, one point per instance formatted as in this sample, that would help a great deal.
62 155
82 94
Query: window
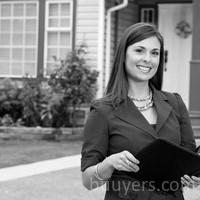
148 15
58 32
18 38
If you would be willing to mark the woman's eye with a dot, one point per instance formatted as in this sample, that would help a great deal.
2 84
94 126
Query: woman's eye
139 50
155 53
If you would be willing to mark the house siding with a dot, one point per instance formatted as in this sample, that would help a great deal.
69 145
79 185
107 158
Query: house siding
127 17
87 29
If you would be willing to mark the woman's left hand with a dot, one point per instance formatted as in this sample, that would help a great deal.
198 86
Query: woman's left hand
190 182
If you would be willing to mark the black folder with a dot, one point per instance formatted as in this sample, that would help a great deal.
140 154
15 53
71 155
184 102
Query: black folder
165 162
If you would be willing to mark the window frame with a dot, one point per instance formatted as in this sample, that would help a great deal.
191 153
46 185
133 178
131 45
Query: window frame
23 46
149 7
47 29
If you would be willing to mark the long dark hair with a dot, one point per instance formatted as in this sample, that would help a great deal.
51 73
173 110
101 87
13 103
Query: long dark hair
117 88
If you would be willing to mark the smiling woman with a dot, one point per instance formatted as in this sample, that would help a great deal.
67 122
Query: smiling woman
134 113
142 59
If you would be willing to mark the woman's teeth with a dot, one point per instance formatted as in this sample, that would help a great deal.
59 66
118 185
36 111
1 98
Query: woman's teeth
144 69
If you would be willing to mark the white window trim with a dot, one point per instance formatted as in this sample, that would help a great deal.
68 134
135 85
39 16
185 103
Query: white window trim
55 29
37 28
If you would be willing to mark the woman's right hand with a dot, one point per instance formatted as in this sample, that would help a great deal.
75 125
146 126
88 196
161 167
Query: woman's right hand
124 161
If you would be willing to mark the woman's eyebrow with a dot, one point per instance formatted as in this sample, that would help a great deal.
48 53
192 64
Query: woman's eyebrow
154 49
140 47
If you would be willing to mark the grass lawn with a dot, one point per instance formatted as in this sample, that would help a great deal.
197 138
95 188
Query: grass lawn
15 152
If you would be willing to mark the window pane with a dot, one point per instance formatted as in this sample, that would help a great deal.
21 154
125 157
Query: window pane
17 69
30 39
30 54
59 40
30 25
50 68
31 9
4 54
4 68
63 53
51 53
18 25
52 38
65 39
30 69
17 39
53 22
4 39
17 54
53 9
5 10
18 34
18 9
5 25
65 9
65 22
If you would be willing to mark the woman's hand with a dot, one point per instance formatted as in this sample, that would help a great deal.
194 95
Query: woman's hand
190 182
124 161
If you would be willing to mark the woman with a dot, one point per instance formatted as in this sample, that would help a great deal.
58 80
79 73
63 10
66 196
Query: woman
133 113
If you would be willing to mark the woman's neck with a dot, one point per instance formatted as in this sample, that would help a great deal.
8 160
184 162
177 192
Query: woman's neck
138 90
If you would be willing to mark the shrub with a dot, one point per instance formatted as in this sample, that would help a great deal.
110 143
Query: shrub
32 98
36 102
75 79
10 101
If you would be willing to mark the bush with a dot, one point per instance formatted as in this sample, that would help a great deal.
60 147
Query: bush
10 101
32 98
50 103
75 80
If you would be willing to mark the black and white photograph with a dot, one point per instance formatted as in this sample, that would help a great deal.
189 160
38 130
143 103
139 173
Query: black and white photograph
99 99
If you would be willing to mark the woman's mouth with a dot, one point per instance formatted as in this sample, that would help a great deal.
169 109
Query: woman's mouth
144 69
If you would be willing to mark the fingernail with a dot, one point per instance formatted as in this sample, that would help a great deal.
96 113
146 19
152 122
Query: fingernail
137 161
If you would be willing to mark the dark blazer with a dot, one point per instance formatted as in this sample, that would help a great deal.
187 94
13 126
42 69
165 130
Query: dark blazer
110 130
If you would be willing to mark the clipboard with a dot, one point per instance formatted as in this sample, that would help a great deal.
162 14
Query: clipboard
165 162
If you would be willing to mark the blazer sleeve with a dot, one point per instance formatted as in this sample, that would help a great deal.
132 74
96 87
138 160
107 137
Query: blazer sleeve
187 136
95 142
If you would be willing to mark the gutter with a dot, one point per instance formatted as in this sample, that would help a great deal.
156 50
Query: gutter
108 37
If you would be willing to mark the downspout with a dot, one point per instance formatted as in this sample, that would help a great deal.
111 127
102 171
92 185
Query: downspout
108 37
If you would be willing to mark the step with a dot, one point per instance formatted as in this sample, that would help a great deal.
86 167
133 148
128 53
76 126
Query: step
195 119
196 130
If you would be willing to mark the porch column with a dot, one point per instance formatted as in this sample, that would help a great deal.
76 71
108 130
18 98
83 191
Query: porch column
194 99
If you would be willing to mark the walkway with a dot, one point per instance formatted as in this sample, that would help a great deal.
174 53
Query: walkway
54 179
21 171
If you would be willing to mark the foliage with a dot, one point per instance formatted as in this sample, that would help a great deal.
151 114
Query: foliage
75 79
32 99
54 113
10 102
37 102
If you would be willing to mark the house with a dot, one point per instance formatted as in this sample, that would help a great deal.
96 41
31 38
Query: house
33 31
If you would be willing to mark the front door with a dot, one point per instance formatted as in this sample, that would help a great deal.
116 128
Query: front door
175 21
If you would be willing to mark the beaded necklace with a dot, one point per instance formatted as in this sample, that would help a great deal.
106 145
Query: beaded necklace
148 101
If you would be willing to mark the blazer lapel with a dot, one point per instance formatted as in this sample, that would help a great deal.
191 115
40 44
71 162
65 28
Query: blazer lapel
128 112
162 107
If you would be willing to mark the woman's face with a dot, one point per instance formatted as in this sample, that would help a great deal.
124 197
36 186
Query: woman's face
142 59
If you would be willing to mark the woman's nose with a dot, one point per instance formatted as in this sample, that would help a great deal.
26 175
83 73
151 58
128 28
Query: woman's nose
147 57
